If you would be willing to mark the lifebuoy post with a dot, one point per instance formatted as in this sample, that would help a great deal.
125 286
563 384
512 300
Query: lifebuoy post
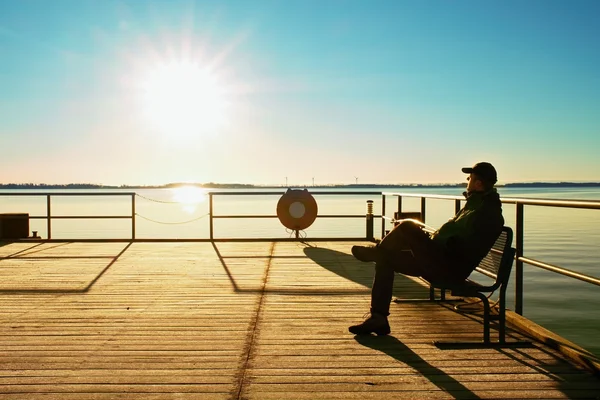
369 217
297 209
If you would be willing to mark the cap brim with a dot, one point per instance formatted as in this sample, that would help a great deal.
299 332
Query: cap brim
467 170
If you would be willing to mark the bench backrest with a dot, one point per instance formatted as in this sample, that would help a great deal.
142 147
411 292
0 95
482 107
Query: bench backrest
498 262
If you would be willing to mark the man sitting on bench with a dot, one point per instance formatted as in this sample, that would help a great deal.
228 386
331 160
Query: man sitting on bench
449 254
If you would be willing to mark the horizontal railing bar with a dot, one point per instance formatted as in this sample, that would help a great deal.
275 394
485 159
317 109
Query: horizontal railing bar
275 216
83 217
314 193
562 271
205 240
346 216
67 194
244 216
587 204
429 196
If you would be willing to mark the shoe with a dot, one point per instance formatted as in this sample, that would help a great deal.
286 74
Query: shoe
365 253
375 323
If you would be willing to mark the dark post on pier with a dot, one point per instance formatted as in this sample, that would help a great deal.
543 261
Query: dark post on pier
369 217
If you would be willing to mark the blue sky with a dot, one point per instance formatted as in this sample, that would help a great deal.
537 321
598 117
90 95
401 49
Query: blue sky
152 92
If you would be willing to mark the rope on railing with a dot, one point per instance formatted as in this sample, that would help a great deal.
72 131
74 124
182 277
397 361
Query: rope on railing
167 201
155 200
172 223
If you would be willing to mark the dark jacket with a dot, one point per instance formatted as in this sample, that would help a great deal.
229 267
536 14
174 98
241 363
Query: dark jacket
471 233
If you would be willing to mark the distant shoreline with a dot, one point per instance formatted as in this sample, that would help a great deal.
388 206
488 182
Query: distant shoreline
250 186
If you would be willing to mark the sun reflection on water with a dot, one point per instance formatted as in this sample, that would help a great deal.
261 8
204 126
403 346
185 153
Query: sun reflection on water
189 197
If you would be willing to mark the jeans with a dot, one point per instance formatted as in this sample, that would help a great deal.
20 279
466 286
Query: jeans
408 250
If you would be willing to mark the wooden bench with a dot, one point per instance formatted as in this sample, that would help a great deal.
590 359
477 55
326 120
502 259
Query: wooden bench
496 265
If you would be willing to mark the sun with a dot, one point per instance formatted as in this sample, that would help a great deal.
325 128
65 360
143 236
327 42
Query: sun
182 98
189 197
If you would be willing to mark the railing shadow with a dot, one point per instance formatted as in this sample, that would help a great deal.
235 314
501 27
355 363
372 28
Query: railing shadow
18 252
569 379
30 250
401 352
82 290
225 268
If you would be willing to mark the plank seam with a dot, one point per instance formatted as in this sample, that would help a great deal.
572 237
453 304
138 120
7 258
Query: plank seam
252 331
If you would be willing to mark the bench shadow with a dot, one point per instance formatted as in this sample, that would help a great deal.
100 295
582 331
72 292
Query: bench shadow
401 352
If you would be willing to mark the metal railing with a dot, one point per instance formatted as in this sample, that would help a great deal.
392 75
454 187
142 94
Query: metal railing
280 193
520 259
49 217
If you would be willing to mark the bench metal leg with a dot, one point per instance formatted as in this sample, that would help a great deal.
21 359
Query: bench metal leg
486 343
486 317
432 294
502 317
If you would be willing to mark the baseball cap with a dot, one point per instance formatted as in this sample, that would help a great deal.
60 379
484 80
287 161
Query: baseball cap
484 170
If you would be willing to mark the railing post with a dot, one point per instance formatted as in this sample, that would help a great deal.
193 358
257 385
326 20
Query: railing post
519 263
382 215
210 212
399 204
369 218
49 217
423 209
456 206
133 216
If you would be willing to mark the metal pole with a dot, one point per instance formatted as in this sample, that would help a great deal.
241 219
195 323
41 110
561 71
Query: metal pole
399 204
49 215
423 208
456 206
369 217
210 212
382 216
519 264
133 216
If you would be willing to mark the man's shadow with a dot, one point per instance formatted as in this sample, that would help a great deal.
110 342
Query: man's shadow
401 352
348 267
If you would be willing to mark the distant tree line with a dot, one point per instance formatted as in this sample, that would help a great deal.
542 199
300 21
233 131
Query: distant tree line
553 184
52 186
214 185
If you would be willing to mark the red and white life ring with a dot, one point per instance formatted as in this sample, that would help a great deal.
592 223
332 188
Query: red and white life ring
297 209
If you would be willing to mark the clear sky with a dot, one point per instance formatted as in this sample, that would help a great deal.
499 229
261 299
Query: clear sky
264 92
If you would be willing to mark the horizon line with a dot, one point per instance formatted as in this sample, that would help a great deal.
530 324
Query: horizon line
249 185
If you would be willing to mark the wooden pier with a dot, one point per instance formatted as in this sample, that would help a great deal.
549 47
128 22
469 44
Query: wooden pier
256 320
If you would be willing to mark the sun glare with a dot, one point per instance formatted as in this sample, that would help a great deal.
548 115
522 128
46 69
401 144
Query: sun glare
189 197
183 98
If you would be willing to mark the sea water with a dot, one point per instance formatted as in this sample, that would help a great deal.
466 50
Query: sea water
564 237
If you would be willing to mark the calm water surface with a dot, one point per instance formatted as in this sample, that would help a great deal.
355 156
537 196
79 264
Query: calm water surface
565 237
